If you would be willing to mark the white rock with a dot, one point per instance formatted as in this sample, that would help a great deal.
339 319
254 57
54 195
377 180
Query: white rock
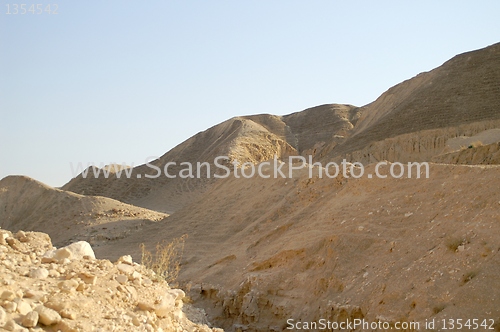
30 319
166 306
35 295
23 307
47 316
81 249
10 325
136 276
54 273
3 317
63 253
147 282
127 259
122 279
68 286
10 306
177 293
88 278
40 273
21 236
68 313
145 306
65 261
125 268
8 295
75 250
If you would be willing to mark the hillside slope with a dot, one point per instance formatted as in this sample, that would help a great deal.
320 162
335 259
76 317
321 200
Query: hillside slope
260 251
26 204
246 139
412 121
465 90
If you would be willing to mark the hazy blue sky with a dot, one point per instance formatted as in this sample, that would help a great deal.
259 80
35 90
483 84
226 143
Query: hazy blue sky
120 81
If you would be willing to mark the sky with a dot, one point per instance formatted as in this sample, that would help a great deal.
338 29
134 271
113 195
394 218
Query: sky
122 81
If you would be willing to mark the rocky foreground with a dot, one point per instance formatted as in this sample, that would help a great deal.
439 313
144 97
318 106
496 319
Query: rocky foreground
47 289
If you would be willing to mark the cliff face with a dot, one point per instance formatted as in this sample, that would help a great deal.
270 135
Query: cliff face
425 145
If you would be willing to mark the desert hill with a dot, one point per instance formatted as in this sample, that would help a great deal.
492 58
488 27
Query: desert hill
418 116
246 139
412 121
261 250
26 204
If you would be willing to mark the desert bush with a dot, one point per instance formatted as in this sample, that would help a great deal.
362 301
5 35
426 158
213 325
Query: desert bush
166 261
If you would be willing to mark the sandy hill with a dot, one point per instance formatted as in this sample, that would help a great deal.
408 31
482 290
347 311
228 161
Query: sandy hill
415 118
412 121
259 251
246 139
26 204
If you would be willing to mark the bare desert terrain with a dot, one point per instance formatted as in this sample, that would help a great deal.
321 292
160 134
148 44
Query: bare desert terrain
261 251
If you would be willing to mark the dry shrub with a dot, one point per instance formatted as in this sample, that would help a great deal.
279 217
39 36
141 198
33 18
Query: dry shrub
166 261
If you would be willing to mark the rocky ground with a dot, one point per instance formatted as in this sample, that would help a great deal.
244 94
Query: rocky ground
47 289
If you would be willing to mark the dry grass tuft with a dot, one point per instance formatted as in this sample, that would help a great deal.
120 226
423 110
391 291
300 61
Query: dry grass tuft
166 261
